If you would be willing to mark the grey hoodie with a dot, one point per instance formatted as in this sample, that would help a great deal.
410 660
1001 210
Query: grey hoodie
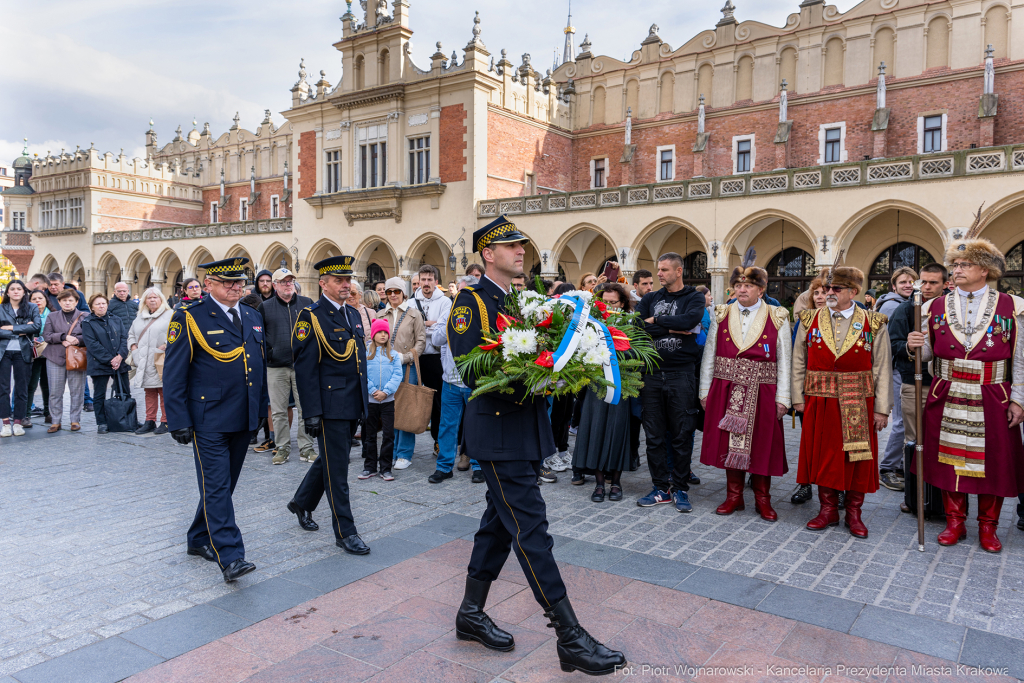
437 307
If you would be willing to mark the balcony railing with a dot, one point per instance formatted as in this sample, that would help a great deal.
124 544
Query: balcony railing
960 163
255 227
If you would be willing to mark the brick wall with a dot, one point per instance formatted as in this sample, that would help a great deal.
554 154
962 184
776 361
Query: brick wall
515 147
260 210
958 98
453 143
21 259
305 182
141 216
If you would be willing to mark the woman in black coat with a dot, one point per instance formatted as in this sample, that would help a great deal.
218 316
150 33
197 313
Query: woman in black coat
106 347
19 323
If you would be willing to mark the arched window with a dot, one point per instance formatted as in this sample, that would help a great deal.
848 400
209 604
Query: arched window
1012 281
695 269
668 84
599 106
375 274
938 43
384 72
789 273
892 259
745 79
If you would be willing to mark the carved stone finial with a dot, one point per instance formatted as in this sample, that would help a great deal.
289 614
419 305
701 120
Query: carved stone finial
178 131
700 115
266 116
880 92
235 119
439 46
989 51
785 85
455 59
586 44
476 42
653 32
727 11
206 128
504 54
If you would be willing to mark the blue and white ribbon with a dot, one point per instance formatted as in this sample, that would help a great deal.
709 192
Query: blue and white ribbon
571 341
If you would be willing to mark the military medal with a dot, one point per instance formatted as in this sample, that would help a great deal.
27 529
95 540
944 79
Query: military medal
989 343
767 354
858 326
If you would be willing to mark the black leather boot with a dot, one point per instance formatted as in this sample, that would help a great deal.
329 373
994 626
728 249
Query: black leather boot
472 623
147 427
576 648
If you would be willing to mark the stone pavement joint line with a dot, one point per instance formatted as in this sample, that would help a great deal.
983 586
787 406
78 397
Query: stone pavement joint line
96 548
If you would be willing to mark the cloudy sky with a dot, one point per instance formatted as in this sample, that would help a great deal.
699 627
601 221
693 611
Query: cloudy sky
95 71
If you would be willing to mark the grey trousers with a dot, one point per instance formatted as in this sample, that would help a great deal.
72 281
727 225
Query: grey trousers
893 457
281 382
57 374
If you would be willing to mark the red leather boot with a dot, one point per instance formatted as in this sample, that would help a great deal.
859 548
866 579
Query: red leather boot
829 513
854 501
955 505
763 497
734 492
989 507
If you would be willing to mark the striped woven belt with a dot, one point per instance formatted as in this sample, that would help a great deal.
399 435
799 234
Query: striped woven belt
971 371
850 388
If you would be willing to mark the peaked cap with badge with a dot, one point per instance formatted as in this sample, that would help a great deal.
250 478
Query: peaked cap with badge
499 231
335 265
227 269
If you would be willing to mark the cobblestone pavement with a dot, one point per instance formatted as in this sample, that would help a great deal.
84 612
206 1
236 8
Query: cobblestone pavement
95 533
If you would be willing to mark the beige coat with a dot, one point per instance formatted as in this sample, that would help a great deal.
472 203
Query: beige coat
412 336
146 375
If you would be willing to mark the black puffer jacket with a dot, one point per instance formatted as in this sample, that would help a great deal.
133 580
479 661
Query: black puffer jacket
278 320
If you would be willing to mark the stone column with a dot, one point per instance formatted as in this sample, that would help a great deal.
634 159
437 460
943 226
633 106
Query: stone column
718 277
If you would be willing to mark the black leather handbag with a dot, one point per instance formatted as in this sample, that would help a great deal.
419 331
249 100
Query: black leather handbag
121 408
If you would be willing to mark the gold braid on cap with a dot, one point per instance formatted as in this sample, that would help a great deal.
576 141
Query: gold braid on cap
835 264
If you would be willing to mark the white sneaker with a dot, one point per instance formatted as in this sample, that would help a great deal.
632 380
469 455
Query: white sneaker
566 459
552 461
572 430
18 430
6 430
557 462
402 464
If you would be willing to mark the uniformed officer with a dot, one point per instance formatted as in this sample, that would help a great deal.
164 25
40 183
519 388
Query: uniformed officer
215 385
329 355
509 434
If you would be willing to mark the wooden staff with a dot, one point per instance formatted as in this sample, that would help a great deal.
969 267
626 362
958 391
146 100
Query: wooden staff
919 442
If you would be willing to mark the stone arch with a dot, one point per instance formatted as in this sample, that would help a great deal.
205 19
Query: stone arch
787 67
997 30
111 269
937 54
170 271
598 106
669 233
879 226
49 264
666 93
884 40
358 72
432 249
74 270
272 256
835 54
1001 222
376 250
632 98
384 67
745 78
580 241
748 232
200 255
706 84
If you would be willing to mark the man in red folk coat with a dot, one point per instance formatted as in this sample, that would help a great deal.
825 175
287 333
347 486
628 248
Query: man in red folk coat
842 381
972 416
744 388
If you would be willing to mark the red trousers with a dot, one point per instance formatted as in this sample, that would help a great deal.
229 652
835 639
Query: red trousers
153 397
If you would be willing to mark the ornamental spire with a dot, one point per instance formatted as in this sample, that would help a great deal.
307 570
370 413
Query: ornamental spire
569 52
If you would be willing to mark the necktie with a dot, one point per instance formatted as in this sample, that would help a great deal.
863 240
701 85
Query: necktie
235 319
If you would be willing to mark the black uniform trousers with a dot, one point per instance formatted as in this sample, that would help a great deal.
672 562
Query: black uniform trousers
516 518
329 474
219 457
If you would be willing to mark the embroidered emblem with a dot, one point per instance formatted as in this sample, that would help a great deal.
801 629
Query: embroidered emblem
302 330
858 326
173 332
462 316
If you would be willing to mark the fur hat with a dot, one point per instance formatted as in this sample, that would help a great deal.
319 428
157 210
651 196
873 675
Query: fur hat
848 276
978 251
751 275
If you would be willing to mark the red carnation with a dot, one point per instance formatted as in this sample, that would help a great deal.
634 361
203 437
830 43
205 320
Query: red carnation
619 339
545 360
547 321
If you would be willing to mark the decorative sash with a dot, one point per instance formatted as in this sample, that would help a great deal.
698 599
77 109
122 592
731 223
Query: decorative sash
746 376
850 388
962 432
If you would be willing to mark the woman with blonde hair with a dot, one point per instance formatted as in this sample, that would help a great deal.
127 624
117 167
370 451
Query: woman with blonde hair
366 314
147 339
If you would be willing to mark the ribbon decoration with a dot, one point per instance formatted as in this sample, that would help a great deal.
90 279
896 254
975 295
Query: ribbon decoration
571 341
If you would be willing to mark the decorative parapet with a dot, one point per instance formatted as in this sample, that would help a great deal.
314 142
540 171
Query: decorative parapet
257 227
833 176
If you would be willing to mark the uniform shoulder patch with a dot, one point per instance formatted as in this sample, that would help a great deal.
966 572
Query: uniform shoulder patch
302 329
173 332
721 311
462 318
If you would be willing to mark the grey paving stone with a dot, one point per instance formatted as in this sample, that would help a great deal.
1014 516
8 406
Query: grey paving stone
911 632
332 573
185 631
452 525
388 551
419 534
656 570
725 587
590 555
992 650
813 608
265 599
107 661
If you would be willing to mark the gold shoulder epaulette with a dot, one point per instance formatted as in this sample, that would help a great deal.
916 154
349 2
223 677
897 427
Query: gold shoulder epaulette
876 320
721 311
780 315
807 317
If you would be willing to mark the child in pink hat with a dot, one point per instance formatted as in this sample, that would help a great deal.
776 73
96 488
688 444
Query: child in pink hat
383 375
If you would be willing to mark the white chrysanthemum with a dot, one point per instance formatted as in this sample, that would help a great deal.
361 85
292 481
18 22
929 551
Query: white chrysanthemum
598 355
518 342
529 307
591 338
581 293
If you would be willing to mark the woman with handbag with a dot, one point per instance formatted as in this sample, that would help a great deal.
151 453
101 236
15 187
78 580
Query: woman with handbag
147 340
39 378
106 347
65 360
19 323
408 336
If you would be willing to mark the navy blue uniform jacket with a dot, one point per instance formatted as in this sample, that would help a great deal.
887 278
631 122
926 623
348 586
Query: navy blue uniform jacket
203 392
496 426
329 354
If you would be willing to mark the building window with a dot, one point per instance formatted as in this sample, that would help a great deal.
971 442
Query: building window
275 206
666 163
833 146
17 220
75 211
789 273
931 133
1012 281
373 150
597 172
214 212
902 254
60 213
45 215
419 160
333 176
243 209
743 153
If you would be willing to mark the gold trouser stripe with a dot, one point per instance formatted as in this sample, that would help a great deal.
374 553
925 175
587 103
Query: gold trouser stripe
327 474
518 531
202 481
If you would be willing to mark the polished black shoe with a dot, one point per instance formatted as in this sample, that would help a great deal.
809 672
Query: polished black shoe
161 428
101 429
577 649
438 476
147 427
203 551
692 479
598 495
305 518
478 477
353 545
1020 523
615 493
801 495
472 623
237 570
87 407
578 479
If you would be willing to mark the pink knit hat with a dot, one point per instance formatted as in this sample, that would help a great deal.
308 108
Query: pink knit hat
379 325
